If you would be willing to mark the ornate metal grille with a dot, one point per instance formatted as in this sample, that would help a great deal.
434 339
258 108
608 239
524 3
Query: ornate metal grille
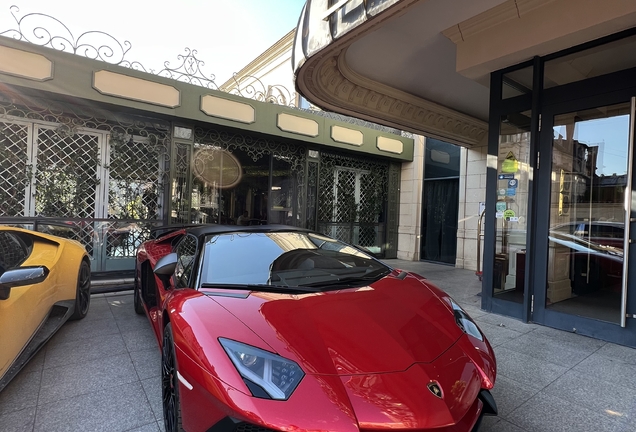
180 181
312 194
14 175
66 174
135 185
352 198
69 169
135 178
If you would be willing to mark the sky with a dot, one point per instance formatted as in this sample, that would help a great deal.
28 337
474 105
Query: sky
227 34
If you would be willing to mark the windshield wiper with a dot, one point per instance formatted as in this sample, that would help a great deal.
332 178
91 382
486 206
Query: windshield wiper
282 289
351 281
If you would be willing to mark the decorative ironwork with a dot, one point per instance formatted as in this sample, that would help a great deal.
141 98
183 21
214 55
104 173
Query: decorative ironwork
352 199
66 174
134 177
189 71
70 158
97 45
251 87
14 168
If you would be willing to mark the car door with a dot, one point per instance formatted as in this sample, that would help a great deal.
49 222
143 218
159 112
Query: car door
26 307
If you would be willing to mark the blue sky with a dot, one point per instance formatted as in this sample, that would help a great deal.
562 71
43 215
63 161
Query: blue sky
227 34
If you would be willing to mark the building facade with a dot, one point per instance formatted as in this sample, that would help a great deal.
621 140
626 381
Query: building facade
104 152
541 96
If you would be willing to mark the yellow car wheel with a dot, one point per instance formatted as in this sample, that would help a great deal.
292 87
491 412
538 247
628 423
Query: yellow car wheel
83 295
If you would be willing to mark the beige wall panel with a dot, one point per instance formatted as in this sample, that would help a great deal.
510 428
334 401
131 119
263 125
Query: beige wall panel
390 145
299 125
127 87
25 64
347 136
228 109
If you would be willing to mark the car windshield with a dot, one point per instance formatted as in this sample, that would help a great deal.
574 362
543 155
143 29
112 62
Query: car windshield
293 259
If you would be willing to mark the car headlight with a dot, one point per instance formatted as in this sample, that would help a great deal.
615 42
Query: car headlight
266 374
465 322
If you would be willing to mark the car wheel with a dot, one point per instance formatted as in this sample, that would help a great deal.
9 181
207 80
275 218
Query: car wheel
170 384
83 294
139 308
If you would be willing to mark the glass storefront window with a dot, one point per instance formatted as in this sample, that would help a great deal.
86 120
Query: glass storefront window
513 180
589 176
229 187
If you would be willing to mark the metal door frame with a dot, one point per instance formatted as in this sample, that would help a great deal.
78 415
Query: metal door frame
541 314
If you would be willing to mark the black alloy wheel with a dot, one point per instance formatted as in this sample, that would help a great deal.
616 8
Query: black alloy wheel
83 294
170 384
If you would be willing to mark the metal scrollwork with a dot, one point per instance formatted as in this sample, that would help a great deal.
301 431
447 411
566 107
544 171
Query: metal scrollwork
97 45
251 87
189 71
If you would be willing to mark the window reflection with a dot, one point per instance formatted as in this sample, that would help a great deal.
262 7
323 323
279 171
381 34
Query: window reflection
589 176
511 212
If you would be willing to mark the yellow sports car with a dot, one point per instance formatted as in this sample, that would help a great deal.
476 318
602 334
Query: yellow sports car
44 281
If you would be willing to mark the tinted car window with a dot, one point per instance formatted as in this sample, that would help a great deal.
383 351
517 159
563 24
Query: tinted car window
186 251
14 249
284 258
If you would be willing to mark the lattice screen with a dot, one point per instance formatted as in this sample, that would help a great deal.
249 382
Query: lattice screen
66 174
14 177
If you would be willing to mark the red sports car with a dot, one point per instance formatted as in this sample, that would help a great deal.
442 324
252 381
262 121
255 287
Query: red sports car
273 328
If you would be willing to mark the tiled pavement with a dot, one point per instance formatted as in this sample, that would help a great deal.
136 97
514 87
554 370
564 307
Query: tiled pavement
102 373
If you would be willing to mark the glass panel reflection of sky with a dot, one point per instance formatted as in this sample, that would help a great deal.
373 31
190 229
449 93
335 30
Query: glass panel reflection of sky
609 135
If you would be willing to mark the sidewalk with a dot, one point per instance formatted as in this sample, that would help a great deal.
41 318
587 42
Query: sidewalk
103 373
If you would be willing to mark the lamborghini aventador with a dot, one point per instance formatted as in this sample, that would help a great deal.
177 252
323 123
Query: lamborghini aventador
273 328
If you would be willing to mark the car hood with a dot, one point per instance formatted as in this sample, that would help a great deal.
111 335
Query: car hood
384 327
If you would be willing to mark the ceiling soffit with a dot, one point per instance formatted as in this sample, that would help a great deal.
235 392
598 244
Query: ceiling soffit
328 78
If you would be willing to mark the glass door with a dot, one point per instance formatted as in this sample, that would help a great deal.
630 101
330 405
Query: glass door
585 180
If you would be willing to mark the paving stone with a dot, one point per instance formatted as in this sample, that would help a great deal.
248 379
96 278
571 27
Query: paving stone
500 425
72 380
545 413
84 350
141 339
526 370
510 394
147 363
557 351
22 392
151 427
603 368
76 330
625 354
613 400
117 408
152 389
18 421
98 310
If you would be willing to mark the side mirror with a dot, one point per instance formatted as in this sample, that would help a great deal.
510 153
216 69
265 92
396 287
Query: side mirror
166 265
20 277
